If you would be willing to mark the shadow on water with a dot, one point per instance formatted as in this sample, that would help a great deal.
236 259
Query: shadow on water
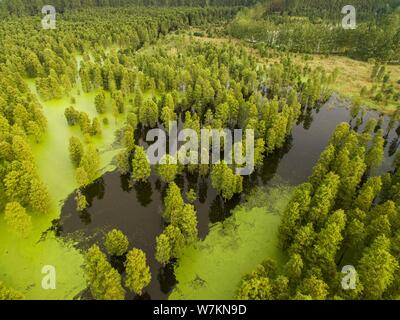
135 209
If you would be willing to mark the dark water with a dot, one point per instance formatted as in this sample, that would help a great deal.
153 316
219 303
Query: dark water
136 209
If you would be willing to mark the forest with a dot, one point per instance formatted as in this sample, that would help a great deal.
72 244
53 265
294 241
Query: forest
79 197
299 29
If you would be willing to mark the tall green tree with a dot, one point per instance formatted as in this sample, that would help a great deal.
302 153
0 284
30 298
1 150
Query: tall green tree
16 218
140 165
324 198
374 155
122 159
168 168
76 150
163 249
103 280
100 103
173 201
116 242
138 274
225 181
148 114
377 268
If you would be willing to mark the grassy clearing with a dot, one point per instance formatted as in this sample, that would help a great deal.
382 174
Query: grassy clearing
353 74
214 267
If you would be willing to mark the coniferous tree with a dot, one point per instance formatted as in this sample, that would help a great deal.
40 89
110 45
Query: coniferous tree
138 274
100 103
76 151
140 165
116 242
104 281
377 268
168 168
17 219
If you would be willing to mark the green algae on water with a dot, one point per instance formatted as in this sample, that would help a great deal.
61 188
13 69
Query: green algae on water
213 268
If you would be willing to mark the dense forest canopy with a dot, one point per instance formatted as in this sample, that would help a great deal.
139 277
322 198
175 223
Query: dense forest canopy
366 9
33 7
80 30
375 36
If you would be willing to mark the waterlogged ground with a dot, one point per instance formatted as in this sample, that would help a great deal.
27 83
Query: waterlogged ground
23 259
22 262
224 248
212 268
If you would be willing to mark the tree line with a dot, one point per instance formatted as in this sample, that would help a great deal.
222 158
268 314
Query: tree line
34 7
21 123
331 10
372 38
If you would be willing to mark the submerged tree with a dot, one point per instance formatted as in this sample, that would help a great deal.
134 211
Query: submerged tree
186 220
163 249
81 202
75 151
225 181
173 201
122 159
140 165
138 274
116 243
168 168
104 281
